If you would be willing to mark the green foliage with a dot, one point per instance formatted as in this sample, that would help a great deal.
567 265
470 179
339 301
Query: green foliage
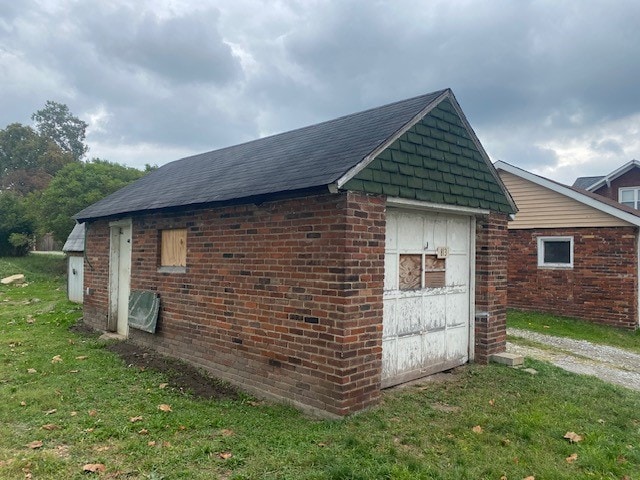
77 186
21 243
14 219
56 122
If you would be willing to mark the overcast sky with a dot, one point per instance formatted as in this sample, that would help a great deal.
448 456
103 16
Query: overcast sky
550 86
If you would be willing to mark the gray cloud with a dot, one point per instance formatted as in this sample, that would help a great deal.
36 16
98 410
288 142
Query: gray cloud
546 85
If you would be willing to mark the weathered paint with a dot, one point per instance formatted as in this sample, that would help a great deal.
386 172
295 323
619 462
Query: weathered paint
119 276
75 276
426 330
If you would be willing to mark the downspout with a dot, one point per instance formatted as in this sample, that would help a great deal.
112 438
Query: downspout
84 248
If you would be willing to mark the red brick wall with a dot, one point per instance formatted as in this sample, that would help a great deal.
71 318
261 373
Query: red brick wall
492 249
283 298
602 287
629 179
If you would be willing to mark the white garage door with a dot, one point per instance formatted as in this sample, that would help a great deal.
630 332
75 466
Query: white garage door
427 297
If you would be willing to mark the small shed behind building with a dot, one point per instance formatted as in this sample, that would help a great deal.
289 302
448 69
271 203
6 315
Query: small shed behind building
74 248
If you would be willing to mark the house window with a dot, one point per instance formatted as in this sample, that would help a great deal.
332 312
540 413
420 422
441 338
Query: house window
629 196
555 252
173 248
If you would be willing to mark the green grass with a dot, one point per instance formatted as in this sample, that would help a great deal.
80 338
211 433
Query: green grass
574 328
417 432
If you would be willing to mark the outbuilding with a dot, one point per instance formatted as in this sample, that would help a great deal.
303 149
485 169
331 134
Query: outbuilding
74 248
315 266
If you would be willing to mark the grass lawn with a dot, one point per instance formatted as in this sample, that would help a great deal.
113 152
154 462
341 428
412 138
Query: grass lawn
67 401
573 328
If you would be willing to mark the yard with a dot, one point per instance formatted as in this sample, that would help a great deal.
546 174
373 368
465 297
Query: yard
73 408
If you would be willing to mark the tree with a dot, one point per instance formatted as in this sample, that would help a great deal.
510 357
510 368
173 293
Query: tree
76 186
28 160
56 122
14 220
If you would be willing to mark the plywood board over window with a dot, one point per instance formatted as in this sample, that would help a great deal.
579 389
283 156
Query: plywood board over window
174 248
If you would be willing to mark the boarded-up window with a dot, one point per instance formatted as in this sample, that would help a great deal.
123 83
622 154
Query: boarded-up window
434 271
410 272
411 268
174 248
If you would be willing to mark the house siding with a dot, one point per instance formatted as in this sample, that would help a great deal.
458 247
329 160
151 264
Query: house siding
602 286
540 207
628 179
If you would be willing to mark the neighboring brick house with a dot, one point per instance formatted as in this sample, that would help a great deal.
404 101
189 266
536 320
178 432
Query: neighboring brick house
571 252
622 185
316 266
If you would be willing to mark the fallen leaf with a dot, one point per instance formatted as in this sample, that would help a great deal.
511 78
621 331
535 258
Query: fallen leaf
23 404
32 370
94 467
73 414
477 429
81 357
546 326
492 402
503 477
35 444
505 442
163 385
255 404
144 431
601 421
56 359
89 430
103 448
571 458
152 443
322 444
135 419
573 437
30 319
225 455
225 432
50 426
182 427
530 477
164 407
74 371
92 413
166 444
51 412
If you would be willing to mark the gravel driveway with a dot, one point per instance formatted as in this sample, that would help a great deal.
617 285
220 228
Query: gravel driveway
610 364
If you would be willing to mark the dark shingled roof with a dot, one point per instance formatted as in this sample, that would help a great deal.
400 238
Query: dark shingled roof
585 182
305 158
75 240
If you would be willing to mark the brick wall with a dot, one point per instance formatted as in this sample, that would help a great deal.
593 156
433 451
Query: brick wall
602 286
492 250
283 298
629 179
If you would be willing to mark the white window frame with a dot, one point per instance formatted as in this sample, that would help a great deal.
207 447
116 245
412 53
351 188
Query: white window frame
636 195
541 243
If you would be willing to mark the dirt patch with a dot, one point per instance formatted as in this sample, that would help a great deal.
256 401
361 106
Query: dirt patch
180 375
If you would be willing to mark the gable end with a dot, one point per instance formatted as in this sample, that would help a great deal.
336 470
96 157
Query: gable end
434 161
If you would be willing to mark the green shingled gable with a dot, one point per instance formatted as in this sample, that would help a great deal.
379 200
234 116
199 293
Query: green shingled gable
434 161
